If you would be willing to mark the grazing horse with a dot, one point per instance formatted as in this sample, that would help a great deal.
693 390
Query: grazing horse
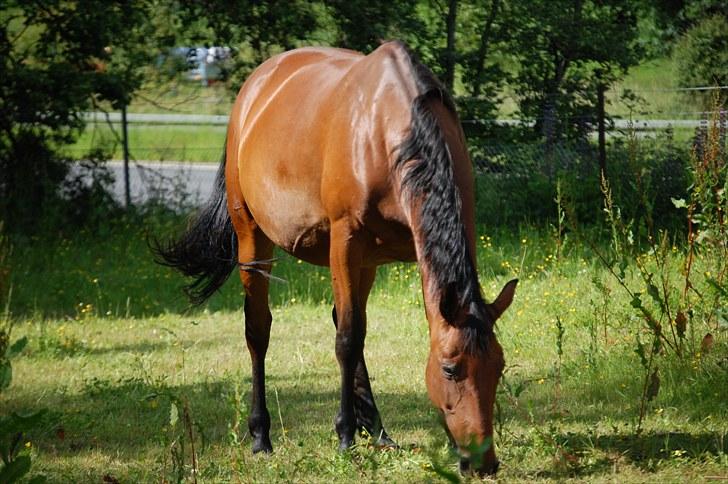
353 161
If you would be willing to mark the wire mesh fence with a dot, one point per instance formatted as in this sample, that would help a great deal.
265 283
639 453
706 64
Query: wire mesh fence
170 131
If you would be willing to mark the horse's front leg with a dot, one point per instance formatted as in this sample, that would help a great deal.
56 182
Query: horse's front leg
366 413
345 260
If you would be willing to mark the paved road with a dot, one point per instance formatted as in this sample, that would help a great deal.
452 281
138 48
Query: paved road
171 178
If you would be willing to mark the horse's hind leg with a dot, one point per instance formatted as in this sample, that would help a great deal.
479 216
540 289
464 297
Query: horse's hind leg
365 410
253 245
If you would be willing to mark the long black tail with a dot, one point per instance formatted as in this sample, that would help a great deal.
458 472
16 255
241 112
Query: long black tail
208 250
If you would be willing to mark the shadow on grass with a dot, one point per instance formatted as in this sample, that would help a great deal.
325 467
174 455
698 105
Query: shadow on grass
116 276
640 448
130 417
587 454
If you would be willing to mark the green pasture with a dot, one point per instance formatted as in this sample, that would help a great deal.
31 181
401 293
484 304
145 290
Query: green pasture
119 358
182 96
652 82
154 142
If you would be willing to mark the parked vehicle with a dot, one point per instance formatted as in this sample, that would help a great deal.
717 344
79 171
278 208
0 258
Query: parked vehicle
204 64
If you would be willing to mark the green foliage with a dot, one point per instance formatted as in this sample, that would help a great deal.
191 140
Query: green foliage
254 30
15 457
6 250
663 22
674 311
84 298
518 182
363 25
59 59
565 51
117 412
707 225
651 172
180 436
66 57
702 53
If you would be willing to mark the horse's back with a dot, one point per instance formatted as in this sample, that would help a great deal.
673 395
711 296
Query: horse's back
304 145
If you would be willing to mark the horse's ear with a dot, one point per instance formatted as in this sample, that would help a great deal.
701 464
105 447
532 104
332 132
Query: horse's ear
504 299
449 302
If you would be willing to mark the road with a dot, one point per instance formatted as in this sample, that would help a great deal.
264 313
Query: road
171 179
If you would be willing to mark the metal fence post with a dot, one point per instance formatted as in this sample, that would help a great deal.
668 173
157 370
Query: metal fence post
601 88
125 143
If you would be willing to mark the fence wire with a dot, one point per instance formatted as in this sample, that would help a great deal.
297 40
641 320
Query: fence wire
159 133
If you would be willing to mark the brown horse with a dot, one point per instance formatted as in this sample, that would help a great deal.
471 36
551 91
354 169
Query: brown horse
354 161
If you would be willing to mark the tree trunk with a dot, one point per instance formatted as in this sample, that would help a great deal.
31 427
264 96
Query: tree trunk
485 38
125 144
450 49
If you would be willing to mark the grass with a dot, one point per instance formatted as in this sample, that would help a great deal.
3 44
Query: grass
654 82
112 346
154 142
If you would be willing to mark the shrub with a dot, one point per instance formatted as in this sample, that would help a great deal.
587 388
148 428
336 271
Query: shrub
5 251
701 54
516 183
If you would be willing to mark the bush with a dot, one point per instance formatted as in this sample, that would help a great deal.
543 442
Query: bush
517 183
701 54
5 251
650 172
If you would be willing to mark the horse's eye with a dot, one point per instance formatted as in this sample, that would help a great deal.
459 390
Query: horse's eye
450 371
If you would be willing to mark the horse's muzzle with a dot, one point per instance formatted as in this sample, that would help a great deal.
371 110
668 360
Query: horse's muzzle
483 471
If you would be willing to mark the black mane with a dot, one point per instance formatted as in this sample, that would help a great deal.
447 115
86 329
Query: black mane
426 168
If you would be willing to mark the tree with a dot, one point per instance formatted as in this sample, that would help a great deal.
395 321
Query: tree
487 40
449 54
255 30
364 25
484 36
701 54
566 49
60 57
678 16
662 22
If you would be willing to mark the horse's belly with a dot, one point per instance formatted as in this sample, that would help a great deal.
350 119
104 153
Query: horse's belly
293 220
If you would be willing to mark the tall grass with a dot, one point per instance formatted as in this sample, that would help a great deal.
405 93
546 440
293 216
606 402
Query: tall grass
110 272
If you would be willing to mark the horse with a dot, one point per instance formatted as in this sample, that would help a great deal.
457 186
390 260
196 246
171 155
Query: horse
352 161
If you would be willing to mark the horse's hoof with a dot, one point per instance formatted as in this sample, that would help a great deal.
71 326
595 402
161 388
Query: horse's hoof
384 442
345 445
262 446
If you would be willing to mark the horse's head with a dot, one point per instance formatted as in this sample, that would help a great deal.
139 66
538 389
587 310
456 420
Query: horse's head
463 369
